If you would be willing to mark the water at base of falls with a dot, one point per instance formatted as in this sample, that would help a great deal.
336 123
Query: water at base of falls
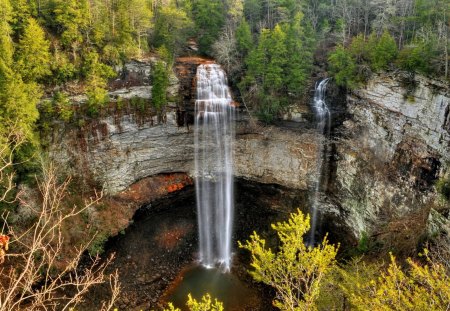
225 287
214 136
323 119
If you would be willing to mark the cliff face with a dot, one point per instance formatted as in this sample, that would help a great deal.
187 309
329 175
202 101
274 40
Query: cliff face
387 154
123 147
119 151
391 151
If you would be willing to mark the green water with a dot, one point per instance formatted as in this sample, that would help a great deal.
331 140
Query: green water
226 287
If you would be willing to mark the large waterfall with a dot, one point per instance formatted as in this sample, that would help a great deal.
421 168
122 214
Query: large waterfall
214 136
323 119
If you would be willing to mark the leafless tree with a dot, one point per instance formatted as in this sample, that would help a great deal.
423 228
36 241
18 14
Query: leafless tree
8 145
33 276
225 51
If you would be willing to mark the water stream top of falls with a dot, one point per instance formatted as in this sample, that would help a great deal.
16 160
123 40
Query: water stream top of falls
214 137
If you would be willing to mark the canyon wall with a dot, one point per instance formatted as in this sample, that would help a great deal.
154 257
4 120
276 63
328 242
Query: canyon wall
390 152
121 147
387 154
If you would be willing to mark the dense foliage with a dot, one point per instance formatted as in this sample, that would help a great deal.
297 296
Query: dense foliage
308 278
377 35
205 304
266 46
295 270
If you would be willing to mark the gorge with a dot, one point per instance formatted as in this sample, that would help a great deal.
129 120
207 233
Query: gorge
226 155
369 154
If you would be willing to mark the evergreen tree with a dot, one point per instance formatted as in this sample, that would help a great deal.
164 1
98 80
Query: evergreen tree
21 14
71 17
172 27
6 46
267 61
97 75
209 17
244 38
256 61
33 56
417 56
18 100
276 54
140 20
359 49
253 12
300 55
382 51
160 82
343 68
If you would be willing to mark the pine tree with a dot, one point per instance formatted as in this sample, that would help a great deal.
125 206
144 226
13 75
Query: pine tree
343 67
18 100
72 18
276 53
33 56
171 30
21 14
382 51
140 19
6 46
253 12
244 38
160 82
209 17
300 56
256 61
359 48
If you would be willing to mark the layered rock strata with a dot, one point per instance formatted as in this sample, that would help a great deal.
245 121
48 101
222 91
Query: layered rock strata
392 150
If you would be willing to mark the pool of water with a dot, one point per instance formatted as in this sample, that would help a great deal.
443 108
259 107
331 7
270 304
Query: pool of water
226 287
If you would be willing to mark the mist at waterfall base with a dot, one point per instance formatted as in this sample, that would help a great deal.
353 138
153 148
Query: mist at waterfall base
323 127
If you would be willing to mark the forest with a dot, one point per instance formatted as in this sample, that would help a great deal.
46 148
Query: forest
272 52
46 44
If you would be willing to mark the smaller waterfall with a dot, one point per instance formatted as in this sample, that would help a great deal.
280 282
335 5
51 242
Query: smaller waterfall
323 119
214 136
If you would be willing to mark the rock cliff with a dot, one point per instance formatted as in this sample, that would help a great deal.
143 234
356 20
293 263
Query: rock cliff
121 148
390 152
387 154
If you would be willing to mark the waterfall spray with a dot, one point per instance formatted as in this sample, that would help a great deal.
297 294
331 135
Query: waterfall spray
214 136
323 119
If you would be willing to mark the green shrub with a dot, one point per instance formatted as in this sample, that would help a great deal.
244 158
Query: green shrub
64 106
443 188
139 103
97 246
416 57
382 51
343 68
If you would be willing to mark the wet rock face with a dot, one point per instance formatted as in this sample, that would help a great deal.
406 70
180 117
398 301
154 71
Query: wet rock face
392 151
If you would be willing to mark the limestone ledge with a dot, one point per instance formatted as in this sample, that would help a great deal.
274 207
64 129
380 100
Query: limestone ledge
120 151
